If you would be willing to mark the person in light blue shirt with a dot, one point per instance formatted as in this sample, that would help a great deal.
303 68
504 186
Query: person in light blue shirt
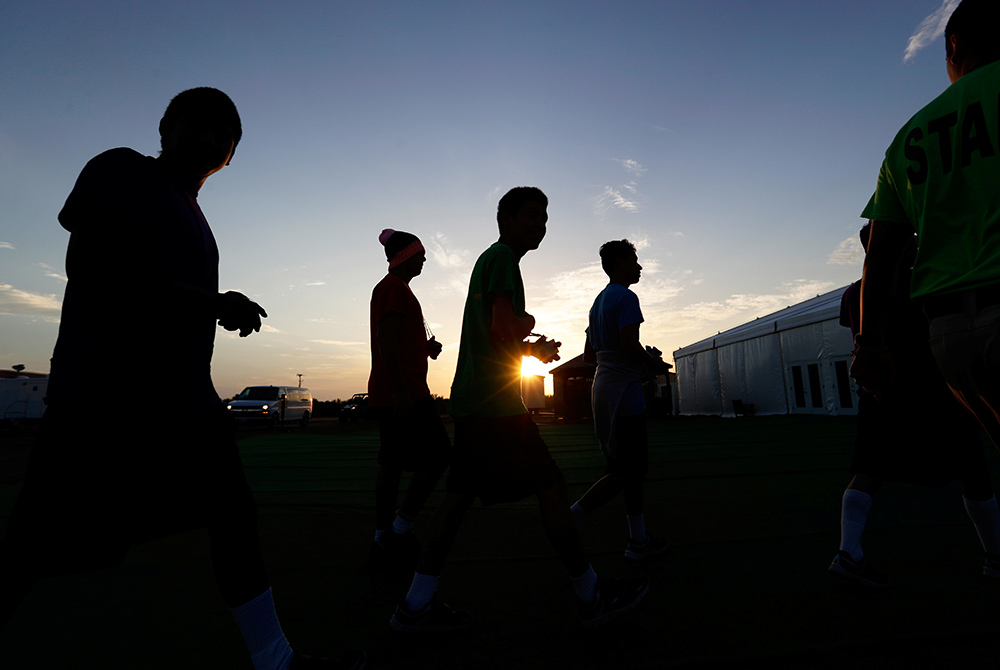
619 408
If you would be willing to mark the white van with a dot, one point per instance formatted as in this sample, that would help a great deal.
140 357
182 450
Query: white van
274 404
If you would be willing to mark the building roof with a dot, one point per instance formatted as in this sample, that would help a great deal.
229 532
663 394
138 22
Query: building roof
814 310
573 366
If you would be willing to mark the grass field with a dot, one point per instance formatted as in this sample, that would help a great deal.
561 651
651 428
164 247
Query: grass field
751 506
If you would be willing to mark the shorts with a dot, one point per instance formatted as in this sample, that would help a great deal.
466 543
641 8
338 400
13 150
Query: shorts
500 459
928 439
418 442
94 488
630 459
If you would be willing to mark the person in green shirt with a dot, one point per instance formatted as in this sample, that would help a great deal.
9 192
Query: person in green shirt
940 180
498 454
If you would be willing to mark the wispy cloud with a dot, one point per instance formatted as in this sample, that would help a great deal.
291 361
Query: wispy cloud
6 245
316 283
631 166
338 343
443 257
51 272
848 252
16 301
624 196
708 316
929 29
612 198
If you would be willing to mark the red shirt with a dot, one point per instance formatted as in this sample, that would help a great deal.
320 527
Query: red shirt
393 295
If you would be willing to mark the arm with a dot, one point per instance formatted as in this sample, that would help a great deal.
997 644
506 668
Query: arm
631 345
589 355
872 366
504 326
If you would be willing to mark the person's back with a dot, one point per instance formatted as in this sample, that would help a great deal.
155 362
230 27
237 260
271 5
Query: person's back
488 369
134 234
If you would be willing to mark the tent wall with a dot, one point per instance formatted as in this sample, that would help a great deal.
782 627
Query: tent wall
796 364
698 386
752 371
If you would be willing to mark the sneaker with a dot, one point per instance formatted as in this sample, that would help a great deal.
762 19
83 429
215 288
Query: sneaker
350 660
858 571
614 598
991 565
653 546
435 617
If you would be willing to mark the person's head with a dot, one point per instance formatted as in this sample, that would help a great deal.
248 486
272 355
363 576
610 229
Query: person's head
405 253
521 217
620 262
199 130
971 37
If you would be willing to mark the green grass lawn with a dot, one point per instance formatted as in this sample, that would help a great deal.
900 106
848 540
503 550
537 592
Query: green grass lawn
751 507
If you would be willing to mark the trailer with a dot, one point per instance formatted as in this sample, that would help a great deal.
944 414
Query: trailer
22 399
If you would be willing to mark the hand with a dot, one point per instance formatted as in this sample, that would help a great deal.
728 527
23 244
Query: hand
545 350
873 370
238 312
434 348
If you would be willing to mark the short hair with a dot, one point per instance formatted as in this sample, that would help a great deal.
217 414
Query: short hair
613 251
516 198
203 102
976 21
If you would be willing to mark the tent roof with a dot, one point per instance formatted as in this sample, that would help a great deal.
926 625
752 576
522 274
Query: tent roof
814 310
573 365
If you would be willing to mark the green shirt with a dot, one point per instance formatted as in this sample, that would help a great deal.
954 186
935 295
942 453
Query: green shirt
488 376
941 175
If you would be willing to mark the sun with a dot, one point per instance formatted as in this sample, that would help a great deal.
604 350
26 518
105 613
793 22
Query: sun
531 366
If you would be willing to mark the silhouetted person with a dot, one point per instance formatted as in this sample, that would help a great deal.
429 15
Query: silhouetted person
939 179
623 364
412 435
143 298
499 455
920 434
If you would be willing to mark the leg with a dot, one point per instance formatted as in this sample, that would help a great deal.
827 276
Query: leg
561 530
856 504
386 493
419 611
422 485
602 492
444 527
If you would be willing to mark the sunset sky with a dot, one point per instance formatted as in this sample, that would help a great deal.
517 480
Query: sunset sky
735 142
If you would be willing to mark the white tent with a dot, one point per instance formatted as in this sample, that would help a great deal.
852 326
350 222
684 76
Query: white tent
793 361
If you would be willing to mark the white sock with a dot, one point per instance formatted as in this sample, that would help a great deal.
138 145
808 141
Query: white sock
258 622
401 526
853 518
985 514
579 514
586 585
379 532
637 528
421 592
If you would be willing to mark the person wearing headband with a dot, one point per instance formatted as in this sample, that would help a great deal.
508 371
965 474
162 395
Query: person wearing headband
413 437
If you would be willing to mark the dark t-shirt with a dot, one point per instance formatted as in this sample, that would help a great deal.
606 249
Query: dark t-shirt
135 236
393 295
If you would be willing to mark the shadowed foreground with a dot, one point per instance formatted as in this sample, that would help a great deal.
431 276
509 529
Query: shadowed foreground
752 507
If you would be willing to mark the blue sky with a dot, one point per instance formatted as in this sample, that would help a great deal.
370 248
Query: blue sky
734 142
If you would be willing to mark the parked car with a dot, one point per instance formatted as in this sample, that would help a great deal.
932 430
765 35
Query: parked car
356 408
273 404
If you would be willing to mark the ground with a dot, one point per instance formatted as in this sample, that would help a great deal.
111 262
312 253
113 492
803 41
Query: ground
750 505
